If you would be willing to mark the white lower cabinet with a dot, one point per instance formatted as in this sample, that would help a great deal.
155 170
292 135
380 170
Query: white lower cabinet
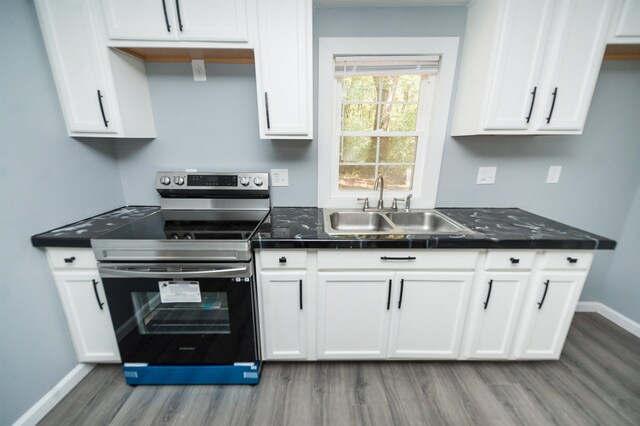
284 314
493 314
547 313
353 314
428 313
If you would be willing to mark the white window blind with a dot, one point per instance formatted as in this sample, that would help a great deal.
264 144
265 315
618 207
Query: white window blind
386 65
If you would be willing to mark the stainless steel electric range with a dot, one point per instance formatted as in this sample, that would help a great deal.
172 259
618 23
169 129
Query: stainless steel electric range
180 283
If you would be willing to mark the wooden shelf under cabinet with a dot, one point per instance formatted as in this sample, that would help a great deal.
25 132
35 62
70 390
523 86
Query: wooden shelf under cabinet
168 54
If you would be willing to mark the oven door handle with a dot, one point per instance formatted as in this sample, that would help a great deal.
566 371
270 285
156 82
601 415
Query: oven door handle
137 272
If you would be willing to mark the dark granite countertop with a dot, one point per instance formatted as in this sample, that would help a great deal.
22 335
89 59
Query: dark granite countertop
507 228
79 234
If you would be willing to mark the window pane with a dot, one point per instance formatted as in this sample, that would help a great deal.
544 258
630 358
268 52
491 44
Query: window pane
403 88
359 118
398 149
397 177
358 149
360 89
356 177
400 117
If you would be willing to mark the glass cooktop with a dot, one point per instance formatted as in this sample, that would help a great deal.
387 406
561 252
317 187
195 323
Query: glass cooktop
191 225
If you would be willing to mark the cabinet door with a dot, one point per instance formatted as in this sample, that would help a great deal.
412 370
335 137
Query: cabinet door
547 314
493 315
140 19
77 65
87 313
206 20
353 314
520 47
284 314
429 311
283 69
579 41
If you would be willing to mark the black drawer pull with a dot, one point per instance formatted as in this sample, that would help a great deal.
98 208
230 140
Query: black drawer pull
544 295
95 290
300 287
572 260
514 260
397 258
282 260
553 104
69 259
486 302
104 117
389 296
401 291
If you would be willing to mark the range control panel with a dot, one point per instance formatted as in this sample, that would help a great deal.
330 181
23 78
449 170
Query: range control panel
205 181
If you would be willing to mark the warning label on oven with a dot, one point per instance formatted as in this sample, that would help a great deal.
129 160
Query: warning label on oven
179 291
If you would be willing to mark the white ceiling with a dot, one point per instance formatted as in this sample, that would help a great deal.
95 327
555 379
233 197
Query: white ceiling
379 3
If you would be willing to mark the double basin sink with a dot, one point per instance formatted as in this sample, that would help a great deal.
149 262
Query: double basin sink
347 222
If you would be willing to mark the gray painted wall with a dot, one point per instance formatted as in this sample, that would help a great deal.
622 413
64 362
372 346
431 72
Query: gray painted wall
46 180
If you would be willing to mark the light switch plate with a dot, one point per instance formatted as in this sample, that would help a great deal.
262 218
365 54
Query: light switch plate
486 175
199 71
279 177
554 174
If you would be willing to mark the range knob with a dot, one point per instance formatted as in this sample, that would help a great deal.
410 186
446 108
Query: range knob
244 181
178 180
165 180
258 181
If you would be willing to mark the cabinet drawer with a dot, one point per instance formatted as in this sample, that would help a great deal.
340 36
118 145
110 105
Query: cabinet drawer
397 259
283 259
71 258
561 259
509 260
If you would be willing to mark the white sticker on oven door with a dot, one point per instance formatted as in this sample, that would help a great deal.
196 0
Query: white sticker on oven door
179 291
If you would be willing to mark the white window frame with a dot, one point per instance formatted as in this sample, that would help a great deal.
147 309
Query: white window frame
430 148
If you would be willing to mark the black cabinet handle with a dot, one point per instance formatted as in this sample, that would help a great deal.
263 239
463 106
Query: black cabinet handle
69 259
544 295
104 117
266 107
514 260
166 18
300 288
401 291
282 260
389 296
553 104
95 290
486 302
572 260
533 100
397 258
179 17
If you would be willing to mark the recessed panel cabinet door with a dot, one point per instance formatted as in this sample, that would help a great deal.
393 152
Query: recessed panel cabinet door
574 63
353 314
140 19
520 49
547 313
284 313
85 306
206 20
493 314
429 311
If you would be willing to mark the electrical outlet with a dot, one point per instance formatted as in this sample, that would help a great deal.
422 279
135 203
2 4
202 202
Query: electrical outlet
199 70
279 177
554 174
486 175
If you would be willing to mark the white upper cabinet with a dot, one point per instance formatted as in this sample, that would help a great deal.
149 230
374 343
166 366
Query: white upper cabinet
194 20
530 67
102 93
625 28
284 69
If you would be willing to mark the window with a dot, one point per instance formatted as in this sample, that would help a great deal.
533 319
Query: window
375 115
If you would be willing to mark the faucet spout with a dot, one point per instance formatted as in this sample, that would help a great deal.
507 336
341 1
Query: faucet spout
379 182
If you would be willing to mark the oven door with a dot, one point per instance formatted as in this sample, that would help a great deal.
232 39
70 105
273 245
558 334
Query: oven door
179 314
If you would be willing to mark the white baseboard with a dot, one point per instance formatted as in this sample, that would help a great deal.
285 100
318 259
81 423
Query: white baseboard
55 395
614 316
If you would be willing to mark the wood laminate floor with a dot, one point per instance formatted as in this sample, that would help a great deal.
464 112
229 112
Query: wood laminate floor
596 382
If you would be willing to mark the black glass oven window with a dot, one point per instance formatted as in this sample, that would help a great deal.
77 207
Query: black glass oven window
212 180
211 316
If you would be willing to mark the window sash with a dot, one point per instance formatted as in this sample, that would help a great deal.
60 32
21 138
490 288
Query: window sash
385 65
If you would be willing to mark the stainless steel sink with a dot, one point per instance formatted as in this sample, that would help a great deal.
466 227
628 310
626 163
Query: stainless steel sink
358 222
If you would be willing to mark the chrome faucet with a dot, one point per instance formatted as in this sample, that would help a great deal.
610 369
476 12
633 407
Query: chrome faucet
407 203
380 180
